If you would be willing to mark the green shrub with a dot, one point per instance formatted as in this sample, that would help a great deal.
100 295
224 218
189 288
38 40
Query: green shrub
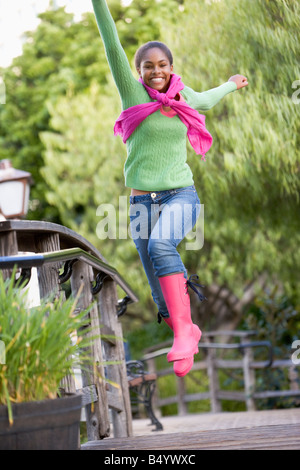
42 345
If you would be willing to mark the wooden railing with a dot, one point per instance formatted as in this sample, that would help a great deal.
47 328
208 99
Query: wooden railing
60 254
211 362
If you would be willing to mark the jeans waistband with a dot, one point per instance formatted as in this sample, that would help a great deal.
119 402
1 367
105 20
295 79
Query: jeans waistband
152 196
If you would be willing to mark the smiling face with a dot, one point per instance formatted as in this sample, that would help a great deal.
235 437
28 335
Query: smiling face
155 69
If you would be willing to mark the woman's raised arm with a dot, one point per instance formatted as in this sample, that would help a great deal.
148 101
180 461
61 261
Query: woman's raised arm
207 99
115 53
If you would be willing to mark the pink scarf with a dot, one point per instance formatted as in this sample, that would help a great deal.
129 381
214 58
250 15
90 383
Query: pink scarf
198 135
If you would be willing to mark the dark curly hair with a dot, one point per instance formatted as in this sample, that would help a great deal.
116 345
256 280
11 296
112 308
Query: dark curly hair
150 45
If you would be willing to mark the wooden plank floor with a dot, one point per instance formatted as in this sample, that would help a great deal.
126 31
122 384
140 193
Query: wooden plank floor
258 430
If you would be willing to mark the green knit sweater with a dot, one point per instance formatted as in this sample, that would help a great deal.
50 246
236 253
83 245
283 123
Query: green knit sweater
156 150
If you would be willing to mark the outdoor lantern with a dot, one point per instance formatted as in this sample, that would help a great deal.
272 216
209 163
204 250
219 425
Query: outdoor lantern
14 191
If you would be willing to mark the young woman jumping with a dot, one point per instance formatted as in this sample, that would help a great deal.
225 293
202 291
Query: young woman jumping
159 113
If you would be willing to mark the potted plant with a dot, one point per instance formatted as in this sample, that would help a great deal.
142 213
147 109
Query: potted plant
37 352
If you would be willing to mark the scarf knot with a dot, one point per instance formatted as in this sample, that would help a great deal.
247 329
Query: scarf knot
163 99
130 118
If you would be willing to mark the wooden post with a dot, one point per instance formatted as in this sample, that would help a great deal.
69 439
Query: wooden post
213 378
249 378
48 275
8 247
181 391
121 414
151 367
97 414
294 381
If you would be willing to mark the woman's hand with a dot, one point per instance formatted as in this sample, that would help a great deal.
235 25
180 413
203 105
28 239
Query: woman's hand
240 81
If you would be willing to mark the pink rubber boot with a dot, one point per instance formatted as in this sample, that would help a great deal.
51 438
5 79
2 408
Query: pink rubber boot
183 366
186 335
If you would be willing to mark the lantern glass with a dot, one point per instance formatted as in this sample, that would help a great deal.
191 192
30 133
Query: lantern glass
12 196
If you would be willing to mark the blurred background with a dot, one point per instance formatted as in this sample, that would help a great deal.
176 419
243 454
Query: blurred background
57 124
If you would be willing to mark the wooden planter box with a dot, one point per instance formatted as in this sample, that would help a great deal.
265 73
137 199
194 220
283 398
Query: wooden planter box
42 425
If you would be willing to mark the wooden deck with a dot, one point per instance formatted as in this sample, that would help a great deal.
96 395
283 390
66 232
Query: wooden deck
249 430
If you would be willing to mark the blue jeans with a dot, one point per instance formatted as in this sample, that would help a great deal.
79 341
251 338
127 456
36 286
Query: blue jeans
158 223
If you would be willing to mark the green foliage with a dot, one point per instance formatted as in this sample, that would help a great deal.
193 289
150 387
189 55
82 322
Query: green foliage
276 319
197 382
42 345
51 63
149 335
77 156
